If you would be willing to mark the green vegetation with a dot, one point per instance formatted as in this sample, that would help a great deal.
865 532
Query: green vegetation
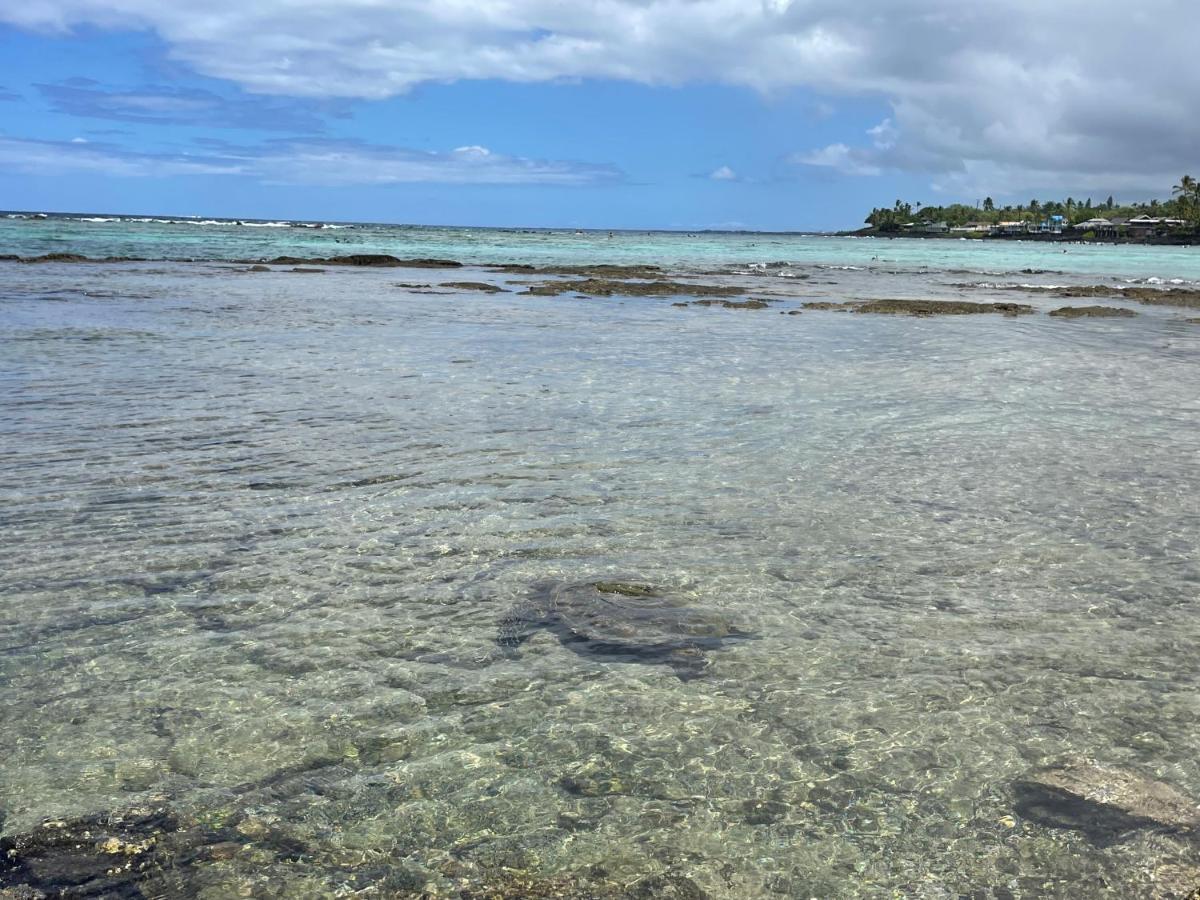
1185 204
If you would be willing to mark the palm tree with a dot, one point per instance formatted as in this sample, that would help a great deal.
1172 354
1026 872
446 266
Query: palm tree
1187 187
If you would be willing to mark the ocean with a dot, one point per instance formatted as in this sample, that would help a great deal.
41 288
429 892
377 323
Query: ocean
266 535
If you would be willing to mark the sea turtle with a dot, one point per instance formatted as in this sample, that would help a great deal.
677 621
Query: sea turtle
623 621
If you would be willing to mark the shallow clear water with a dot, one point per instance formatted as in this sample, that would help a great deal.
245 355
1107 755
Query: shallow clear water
259 530
207 239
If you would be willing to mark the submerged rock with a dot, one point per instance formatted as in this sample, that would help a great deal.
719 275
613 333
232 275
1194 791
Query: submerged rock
1096 312
623 622
106 856
1104 802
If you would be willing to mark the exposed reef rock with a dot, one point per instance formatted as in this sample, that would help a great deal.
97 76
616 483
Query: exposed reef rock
621 621
600 270
1186 297
733 304
1097 312
1104 802
920 307
481 286
603 287
940 307
829 305
73 258
370 260
56 257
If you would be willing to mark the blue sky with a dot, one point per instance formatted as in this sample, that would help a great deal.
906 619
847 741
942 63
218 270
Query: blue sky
622 114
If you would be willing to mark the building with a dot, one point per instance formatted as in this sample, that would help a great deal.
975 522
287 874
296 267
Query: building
1049 225
1009 229
1144 224
1101 227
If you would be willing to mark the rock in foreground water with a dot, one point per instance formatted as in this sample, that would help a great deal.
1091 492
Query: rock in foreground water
1104 802
622 621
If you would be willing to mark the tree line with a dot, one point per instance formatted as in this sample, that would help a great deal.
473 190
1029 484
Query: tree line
1184 204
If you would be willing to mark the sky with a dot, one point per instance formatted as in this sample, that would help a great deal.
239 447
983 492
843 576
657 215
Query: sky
685 114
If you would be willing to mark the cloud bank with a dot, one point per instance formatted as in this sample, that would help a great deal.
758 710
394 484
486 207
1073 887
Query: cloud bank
1080 90
306 162
167 105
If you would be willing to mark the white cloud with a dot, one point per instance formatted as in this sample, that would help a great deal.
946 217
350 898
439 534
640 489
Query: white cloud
723 173
845 159
1073 91
325 162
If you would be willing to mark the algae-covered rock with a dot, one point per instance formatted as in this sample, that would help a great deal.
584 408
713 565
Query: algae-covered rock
97 856
1104 802
480 286
1171 296
621 621
56 257
606 287
829 305
369 260
1094 312
940 307
602 270
733 304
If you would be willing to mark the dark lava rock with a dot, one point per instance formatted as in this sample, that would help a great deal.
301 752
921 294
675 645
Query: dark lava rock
940 307
622 622
666 887
370 260
602 270
829 305
1188 298
603 287
763 812
1097 312
1104 802
509 884
102 856
481 286
55 257
305 270
733 304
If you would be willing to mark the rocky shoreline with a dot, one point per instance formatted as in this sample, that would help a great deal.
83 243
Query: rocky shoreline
614 280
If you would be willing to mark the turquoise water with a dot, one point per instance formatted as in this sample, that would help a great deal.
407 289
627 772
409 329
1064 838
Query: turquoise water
212 239
260 529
